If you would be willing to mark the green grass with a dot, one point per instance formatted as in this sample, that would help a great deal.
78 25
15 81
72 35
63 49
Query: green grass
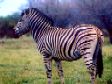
21 63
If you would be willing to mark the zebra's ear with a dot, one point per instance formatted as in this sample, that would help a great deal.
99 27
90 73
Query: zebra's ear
26 11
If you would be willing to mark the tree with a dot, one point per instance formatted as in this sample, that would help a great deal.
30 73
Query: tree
7 25
101 9
72 12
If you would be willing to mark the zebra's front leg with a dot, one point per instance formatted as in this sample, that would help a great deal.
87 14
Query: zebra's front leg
48 67
60 70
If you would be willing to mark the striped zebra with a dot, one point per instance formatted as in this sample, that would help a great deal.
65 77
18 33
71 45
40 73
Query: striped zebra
58 44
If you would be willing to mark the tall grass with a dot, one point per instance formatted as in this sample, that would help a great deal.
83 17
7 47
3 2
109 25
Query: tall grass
21 63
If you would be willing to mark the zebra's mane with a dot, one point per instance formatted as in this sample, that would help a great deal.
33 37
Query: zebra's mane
85 25
49 19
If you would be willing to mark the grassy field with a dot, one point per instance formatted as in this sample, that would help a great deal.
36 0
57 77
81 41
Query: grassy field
21 63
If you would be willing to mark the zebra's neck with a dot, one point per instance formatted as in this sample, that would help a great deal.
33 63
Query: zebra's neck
39 26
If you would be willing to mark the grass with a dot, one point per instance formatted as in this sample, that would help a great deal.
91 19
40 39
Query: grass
21 63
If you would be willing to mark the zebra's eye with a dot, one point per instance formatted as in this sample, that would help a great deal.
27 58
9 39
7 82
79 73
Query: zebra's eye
22 13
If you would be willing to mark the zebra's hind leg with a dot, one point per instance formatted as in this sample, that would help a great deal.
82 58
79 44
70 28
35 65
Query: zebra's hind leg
60 70
90 67
92 71
48 67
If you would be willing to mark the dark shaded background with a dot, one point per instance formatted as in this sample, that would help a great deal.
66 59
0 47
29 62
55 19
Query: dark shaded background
68 13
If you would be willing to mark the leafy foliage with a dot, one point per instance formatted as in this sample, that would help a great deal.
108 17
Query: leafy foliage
7 23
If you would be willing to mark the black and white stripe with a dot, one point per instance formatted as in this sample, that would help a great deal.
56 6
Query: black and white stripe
63 44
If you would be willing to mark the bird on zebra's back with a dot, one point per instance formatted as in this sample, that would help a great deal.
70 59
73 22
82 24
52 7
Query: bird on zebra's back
58 44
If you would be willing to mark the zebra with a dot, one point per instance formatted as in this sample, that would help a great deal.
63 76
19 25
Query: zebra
59 44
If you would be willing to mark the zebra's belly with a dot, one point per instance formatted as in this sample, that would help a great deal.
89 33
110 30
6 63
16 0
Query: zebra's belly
66 59
76 55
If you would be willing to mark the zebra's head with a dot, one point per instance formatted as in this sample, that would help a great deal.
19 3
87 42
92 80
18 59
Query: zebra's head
23 26
29 18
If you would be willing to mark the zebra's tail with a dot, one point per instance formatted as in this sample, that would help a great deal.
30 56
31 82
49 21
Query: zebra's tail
97 58
99 63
